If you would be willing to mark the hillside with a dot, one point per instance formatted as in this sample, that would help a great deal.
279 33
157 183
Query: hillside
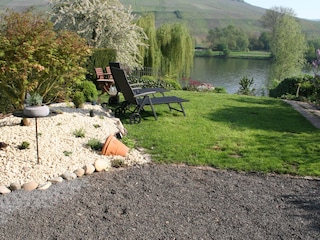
203 15
199 15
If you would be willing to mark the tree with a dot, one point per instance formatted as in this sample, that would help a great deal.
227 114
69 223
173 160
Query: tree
288 47
233 38
104 23
152 54
272 16
177 50
35 58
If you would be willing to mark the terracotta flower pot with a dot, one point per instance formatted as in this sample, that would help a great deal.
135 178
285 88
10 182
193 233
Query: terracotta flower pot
36 111
113 146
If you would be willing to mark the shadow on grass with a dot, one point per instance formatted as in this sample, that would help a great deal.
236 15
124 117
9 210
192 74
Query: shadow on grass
264 117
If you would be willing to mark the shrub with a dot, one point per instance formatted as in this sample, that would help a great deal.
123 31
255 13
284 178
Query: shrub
117 163
24 145
78 99
67 153
89 90
294 88
34 99
79 133
246 86
94 144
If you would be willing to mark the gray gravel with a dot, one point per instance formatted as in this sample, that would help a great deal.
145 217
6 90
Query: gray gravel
166 202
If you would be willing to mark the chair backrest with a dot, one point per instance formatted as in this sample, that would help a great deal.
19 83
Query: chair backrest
108 70
99 73
121 80
114 64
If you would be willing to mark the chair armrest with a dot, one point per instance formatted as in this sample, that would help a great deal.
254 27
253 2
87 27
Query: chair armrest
144 94
136 84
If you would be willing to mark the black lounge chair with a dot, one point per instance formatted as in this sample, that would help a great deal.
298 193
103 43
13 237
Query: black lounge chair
136 87
140 100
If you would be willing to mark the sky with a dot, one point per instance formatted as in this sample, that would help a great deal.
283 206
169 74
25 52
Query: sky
308 9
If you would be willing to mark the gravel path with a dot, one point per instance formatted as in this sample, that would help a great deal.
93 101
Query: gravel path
166 202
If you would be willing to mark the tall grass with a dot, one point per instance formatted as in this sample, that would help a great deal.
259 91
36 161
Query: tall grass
231 132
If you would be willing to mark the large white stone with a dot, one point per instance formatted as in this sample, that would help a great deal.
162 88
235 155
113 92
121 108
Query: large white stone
29 186
4 190
89 169
101 165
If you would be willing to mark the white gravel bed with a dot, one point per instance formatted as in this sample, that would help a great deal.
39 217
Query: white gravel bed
59 149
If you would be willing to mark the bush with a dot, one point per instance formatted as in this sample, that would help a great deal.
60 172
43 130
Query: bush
95 144
79 133
78 99
294 88
89 90
24 145
154 82
246 86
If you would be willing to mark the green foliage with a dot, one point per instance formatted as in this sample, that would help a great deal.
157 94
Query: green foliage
79 133
154 82
151 55
67 153
117 163
177 50
95 144
34 99
89 90
78 99
35 58
24 145
288 47
229 37
246 86
295 88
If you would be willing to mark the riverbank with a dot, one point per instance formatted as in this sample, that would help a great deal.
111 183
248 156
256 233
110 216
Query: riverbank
258 55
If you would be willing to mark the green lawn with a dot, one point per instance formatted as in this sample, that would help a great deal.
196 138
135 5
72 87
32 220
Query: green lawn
231 132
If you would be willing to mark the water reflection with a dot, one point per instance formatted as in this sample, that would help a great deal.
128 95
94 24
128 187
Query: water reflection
221 72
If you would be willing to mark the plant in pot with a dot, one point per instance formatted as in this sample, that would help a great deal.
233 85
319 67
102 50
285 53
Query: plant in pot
34 107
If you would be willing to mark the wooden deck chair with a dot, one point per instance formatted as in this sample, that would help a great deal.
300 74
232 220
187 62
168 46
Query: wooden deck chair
140 100
105 83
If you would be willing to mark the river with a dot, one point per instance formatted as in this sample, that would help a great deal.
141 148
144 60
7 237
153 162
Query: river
227 72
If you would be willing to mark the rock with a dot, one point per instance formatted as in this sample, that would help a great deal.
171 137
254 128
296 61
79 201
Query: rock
3 145
100 165
89 169
69 176
15 186
45 186
4 190
30 186
79 172
56 180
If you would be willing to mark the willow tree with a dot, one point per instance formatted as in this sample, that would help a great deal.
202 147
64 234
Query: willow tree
151 55
104 24
177 50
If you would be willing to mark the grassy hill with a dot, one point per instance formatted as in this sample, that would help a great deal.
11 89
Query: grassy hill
199 15
203 15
